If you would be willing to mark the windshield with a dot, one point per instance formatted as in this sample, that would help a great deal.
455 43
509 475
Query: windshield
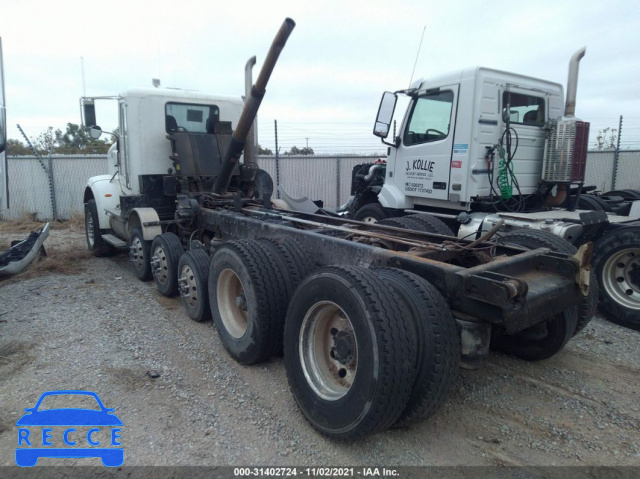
69 401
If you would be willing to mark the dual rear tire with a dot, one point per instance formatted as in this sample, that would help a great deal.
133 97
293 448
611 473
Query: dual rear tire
364 350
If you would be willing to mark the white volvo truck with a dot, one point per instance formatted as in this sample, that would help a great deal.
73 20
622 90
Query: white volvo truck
482 146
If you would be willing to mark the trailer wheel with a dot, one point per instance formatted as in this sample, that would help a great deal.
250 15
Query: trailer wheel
139 253
95 243
438 343
349 352
431 224
540 341
248 301
532 239
193 278
616 260
165 254
592 202
370 213
627 194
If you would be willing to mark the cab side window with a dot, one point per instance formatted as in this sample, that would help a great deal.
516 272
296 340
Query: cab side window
430 118
191 117
523 109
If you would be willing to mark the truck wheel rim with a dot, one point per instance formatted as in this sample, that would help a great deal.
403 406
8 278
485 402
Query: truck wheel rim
621 277
328 350
232 303
369 219
90 231
189 287
160 265
137 256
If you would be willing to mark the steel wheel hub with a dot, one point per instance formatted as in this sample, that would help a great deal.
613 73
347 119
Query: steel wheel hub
136 254
159 265
90 231
188 287
328 350
621 277
232 303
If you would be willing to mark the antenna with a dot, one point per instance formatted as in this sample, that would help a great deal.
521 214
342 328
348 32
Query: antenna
84 87
417 55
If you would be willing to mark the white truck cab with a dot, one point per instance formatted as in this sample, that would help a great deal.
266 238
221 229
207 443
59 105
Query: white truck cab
439 157
141 156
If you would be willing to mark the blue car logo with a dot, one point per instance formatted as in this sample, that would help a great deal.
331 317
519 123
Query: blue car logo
41 430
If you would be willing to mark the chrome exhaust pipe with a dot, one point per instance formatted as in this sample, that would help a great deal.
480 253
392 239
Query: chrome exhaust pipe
572 82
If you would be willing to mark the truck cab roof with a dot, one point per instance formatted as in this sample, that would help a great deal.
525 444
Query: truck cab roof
514 79
178 94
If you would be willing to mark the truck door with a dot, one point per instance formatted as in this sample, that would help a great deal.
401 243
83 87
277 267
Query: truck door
4 176
424 158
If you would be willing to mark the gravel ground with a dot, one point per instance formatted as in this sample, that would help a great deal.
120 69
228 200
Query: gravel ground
184 401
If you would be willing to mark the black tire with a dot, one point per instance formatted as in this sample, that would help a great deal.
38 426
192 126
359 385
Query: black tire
293 261
592 202
349 352
438 343
627 194
616 260
193 284
294 265
370 213
246 272
538 342
547 338
140 255
589 305
403 222
92 231
533 239
166 250
431 224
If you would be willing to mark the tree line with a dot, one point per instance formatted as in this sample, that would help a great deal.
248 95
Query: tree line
74 140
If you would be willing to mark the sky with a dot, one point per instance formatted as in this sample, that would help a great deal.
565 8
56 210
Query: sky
342 55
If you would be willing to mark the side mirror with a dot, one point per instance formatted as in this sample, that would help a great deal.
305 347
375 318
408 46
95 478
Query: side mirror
385 114
95 131
88 112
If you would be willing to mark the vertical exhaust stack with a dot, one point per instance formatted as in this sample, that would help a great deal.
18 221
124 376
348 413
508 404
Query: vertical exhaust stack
250 154
572 82
250 110
565 152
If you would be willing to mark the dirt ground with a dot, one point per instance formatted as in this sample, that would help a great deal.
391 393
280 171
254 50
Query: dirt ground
78 322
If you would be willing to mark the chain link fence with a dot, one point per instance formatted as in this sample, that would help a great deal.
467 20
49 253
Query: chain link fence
29 193
326 178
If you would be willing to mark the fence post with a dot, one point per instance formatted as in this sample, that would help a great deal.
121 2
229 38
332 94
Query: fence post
616 156
275 123
52 186
337 181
